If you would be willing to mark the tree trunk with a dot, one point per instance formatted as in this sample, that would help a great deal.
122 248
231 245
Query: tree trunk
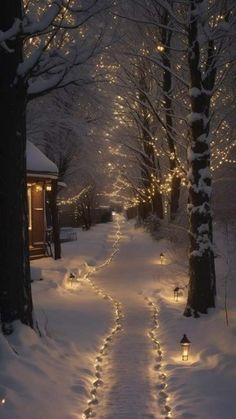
201 260
174 196
144 210
169 110
89 218
15 288
157 205
150 160
55 221
84 216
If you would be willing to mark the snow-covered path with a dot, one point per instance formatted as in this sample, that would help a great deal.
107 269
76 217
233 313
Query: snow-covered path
127 391
91 362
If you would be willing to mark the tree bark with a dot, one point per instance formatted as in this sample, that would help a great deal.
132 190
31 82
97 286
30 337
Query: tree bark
15 288
168 106
201 294
157 205
55 221
144 210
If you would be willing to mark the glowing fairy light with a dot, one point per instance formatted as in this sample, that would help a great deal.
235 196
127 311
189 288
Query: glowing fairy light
164 397
160 48
118 316
75 198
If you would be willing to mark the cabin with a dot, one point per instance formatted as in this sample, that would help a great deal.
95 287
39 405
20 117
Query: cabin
42 173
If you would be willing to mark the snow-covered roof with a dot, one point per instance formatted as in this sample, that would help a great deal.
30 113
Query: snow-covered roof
38 164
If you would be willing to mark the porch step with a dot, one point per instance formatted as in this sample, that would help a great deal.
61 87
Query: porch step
37 253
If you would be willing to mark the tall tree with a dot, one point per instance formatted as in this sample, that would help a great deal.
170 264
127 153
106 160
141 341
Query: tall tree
37 55
15 292
204 39
150 42
202 71
167 86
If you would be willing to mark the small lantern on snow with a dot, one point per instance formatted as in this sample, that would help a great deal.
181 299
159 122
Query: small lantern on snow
162 257
176 293
71 277
185 346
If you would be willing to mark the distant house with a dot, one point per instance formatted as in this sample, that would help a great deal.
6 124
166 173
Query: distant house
41 174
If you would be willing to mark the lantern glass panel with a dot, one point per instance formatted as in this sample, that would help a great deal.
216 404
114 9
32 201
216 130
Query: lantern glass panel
185 351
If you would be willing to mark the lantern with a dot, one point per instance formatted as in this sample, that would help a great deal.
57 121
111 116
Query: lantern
176 293
162 257
185 345
72 277
48 187
38 188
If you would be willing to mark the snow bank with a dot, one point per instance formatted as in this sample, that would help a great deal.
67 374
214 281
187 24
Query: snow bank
204 386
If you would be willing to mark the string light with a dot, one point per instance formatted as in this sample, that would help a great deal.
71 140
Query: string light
75 198
160 48
131 193
118 316
163 395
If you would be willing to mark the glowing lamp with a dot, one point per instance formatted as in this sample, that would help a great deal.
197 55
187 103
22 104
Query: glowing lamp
185 346
39 188
3 401
49 188
176 293
162 257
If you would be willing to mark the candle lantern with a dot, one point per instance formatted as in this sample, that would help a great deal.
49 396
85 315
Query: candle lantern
185 346
176 293
162 257
72 277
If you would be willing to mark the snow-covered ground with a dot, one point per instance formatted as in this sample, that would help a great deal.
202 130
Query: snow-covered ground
49 377
204 386
110 341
